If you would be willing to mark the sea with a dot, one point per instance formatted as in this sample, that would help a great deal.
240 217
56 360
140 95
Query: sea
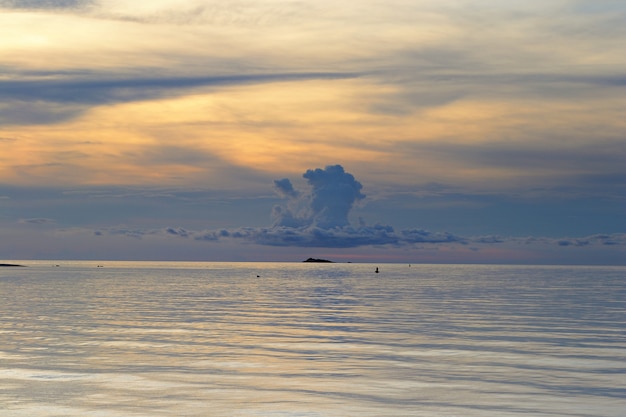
130 339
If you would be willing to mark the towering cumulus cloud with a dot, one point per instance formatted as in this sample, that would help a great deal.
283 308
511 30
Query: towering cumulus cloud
320 217
333 194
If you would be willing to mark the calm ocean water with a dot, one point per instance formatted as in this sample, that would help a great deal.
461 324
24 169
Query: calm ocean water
315 340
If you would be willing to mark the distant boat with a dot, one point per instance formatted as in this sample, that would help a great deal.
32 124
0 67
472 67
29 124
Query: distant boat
377 270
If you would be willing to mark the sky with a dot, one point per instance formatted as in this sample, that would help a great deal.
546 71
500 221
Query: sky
415 131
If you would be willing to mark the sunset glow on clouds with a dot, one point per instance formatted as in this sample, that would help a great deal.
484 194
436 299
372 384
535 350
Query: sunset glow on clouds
480 131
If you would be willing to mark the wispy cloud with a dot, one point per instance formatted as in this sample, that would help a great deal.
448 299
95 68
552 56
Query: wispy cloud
37 221
102 90
46 4
53 99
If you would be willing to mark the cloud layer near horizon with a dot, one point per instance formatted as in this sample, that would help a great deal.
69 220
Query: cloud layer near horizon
319 218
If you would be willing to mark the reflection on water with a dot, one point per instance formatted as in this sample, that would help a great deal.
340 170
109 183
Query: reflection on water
311 340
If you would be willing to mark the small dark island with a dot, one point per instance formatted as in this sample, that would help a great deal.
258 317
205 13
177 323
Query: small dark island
11 265
318 260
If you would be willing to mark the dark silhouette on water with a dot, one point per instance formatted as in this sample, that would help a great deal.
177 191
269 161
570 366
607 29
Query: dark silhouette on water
10 265
376 270
318 260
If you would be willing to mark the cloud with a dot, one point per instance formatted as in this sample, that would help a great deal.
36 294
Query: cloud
108 88
320 218
285 188
425 236
595 240
284 215
36 112
346 237
232 13
53 99
327 206
37 221
317 216
384 235
177 231
613 239
334 193
132 232
45 4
